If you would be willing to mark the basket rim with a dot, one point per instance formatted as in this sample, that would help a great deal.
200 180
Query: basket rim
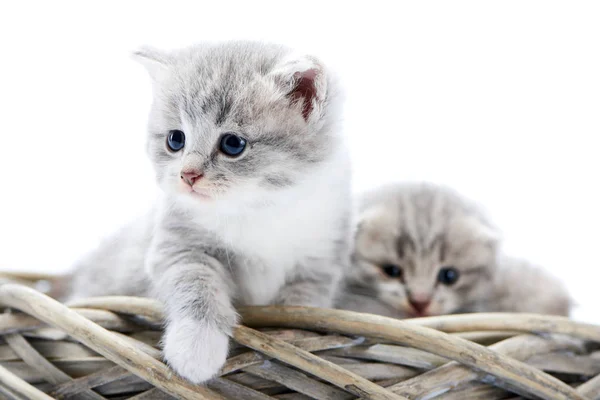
431 334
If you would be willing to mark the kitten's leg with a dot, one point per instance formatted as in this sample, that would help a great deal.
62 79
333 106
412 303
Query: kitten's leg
196 292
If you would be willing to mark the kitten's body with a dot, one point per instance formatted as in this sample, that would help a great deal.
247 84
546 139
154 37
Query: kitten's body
421 229
269 226
519 286
116 267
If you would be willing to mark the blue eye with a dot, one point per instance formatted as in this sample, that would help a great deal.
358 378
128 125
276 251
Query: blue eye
393 271
232 145
448 275
176 140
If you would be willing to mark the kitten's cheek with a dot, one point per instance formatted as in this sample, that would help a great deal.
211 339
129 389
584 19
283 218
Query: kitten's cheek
195 351
436 309
182 187
405 305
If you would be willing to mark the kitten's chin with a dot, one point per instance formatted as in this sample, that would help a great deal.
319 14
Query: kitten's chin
202 194
196 193
414 314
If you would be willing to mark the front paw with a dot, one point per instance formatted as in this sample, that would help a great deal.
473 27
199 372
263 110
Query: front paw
195 349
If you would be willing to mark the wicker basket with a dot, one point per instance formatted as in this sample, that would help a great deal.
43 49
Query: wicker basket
107 348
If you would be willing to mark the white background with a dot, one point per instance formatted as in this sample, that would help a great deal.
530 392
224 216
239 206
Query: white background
498 99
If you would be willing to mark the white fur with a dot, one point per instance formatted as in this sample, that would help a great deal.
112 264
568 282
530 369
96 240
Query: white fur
276 237
194 349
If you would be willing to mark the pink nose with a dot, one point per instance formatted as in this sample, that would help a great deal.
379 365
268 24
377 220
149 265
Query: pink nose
191 176
420 306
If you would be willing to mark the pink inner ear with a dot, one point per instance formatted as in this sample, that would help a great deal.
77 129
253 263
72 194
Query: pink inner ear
305 90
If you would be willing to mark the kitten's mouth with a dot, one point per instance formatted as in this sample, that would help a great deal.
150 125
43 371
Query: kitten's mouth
199 192
202 193
415 314
412 313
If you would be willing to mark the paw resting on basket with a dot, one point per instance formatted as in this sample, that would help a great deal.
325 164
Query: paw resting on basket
195 350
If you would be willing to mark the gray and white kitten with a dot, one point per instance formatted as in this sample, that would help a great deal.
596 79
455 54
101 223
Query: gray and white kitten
423 249
255 207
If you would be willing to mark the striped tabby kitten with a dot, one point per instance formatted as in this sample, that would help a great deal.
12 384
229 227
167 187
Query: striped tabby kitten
423 249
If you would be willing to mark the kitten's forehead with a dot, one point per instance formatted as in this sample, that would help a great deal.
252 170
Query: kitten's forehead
424 221
215 82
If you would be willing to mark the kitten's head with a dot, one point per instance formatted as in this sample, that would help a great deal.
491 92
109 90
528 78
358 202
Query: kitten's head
422 249
237 121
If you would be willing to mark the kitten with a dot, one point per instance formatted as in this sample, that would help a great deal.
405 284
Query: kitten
423 249
247 148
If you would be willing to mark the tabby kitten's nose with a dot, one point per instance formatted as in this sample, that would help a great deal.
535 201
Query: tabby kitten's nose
420 305
191 176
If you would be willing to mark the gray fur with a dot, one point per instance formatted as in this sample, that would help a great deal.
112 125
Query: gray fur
275 228
520 286
422 228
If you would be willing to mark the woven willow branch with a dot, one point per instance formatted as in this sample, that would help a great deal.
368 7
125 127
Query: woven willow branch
101 340
511 373
16 384
516 375
360 355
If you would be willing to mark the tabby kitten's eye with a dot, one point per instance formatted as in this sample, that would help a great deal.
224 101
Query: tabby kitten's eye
393 271
448 275
176 140
232 145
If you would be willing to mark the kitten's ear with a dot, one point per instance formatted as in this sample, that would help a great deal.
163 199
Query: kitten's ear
374 231
471 227
155 61
305 83
375 221
490 235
